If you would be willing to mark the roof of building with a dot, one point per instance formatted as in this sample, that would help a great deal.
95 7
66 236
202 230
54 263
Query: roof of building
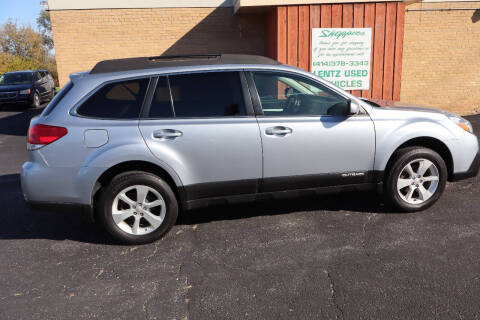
178 61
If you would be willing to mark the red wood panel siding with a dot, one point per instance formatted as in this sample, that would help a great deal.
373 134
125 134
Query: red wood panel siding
389 55
369 22
358 10
378 51
289 34
347 19
315 14
347 16
271 32
304 37
292 35
282 34
337 15
397 74
326 16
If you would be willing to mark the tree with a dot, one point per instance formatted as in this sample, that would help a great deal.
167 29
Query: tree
23 48
45 26
21 41
9 62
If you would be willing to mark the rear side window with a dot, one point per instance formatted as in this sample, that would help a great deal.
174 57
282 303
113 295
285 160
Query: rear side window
118 100
58 97
212 94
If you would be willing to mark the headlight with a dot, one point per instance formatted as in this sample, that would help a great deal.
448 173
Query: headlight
462 123
27 91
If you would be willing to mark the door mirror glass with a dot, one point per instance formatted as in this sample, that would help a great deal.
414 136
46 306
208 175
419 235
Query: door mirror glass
353 107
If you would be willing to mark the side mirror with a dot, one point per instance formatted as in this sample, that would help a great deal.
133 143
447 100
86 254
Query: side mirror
353 107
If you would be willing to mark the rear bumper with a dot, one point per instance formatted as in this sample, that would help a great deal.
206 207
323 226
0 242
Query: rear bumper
44 184
471 172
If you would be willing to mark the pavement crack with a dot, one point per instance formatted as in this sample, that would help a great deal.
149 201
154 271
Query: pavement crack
182 301
333 296
364 235
147 300
155 250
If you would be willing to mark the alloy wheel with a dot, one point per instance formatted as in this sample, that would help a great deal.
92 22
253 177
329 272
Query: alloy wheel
138 210
418 181
36 101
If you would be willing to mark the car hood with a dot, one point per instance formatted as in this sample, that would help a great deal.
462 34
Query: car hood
420 109
15 87
396 106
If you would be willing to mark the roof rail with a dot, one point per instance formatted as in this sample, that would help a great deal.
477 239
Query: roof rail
139 63
185 57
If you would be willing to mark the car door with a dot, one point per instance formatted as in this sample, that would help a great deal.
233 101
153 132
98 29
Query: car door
40 84
201 125
308 140
49 84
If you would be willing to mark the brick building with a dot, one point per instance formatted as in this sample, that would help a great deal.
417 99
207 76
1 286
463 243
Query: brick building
425 53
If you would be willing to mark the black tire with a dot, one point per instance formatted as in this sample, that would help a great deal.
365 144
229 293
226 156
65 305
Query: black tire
128 179
35 101
400 159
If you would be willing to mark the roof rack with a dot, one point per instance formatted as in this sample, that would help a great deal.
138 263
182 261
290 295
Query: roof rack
139 63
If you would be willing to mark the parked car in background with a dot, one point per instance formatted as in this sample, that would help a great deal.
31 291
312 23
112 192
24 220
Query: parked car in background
137 140
28 88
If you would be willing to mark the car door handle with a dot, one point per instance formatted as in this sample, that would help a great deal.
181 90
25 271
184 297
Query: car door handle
167 134
278 131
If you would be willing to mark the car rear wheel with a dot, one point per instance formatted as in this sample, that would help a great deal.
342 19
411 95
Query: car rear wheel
416 178
137 207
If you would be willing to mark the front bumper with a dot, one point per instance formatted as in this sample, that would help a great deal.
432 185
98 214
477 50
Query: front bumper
471 172
19 99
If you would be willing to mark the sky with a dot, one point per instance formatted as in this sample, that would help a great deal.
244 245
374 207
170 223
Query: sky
24 11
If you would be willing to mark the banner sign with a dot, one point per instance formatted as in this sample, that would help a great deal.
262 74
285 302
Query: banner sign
342 56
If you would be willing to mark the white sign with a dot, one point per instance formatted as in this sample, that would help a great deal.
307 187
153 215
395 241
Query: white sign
342 56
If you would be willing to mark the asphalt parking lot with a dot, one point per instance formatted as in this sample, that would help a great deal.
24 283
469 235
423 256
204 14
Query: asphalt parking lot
336 257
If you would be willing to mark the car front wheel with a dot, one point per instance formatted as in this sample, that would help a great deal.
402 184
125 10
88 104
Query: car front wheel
416 178
35 101
52 94
137 207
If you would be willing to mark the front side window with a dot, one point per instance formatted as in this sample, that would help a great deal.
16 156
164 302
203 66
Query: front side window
211 94
283 94
118 100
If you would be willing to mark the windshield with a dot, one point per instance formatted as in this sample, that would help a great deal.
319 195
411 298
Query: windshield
16 78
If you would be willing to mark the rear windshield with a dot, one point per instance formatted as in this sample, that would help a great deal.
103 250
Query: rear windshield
57 99
16 78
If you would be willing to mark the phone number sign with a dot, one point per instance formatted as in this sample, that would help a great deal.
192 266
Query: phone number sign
342 56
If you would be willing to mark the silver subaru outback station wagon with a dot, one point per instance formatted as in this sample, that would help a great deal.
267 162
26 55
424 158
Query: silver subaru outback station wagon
134 141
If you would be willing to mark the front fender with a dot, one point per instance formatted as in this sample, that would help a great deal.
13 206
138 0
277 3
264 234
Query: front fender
390 135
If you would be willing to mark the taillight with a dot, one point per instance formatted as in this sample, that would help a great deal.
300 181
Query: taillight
42 134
